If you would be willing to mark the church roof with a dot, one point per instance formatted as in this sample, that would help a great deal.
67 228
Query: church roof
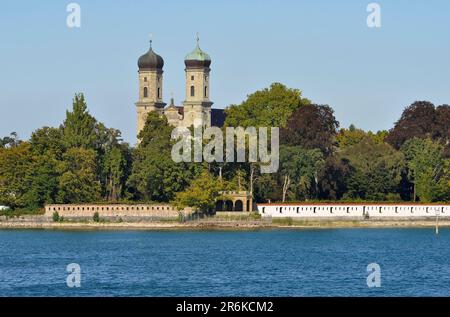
197 55
197 58
218 117
150 60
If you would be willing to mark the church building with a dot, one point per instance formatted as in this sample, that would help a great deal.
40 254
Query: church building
197 106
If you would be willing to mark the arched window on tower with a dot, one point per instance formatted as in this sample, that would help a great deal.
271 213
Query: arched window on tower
159 92
192 91
206 91
145 92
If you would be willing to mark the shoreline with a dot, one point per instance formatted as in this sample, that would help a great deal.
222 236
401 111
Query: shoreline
224 226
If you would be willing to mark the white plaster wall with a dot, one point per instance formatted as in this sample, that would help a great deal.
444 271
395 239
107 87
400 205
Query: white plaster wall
352 211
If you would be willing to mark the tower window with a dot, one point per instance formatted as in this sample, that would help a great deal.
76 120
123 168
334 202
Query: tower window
206 91
159 92
145 78
145 92
192 91
192 77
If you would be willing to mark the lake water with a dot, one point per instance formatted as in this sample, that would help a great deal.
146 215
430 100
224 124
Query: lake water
413 262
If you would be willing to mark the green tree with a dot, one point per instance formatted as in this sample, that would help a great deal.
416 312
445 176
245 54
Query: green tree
49 141
270 107
80 129
15 165
78 182
376 170
156 132
353 135
116 167
201 194
299 170
43 178
443 190
43 181
268 189
333 178
155 176
426 168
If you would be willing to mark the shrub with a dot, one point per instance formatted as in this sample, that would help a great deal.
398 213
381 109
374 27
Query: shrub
56 217
96 217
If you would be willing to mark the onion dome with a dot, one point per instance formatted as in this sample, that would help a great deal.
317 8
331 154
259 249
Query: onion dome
197 58
150 60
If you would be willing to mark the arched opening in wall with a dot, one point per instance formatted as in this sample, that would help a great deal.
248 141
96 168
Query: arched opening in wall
228 205
145 92
206 91
219 205
238 205
192 91
159 92
248 205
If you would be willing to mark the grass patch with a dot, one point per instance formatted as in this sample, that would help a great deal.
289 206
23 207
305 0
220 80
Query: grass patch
231 217
18 212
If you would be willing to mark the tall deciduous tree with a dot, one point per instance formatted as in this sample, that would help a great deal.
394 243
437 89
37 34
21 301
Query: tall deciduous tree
312 126
116 164
15 164
299 170
43 181
377 170
422 120
78 181
333 178
270 107
426 166
155 175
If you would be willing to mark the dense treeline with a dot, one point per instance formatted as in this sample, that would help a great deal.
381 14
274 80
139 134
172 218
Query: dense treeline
84 161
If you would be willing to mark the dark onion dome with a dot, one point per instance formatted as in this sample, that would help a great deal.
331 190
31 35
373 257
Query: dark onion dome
150 60
197 58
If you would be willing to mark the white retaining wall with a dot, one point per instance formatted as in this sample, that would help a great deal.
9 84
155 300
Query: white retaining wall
352 210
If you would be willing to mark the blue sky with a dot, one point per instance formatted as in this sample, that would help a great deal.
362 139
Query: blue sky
322 47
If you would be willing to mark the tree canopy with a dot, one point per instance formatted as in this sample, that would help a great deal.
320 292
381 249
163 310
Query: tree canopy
423 120
82 160
312 126
269 107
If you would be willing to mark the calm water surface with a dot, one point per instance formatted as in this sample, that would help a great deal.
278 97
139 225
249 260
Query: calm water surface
414 262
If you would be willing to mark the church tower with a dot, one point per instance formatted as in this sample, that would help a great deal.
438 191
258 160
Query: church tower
197 106
150 86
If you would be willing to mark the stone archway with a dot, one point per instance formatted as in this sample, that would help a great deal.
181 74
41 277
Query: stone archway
238 205
234 201
220 204
229 205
